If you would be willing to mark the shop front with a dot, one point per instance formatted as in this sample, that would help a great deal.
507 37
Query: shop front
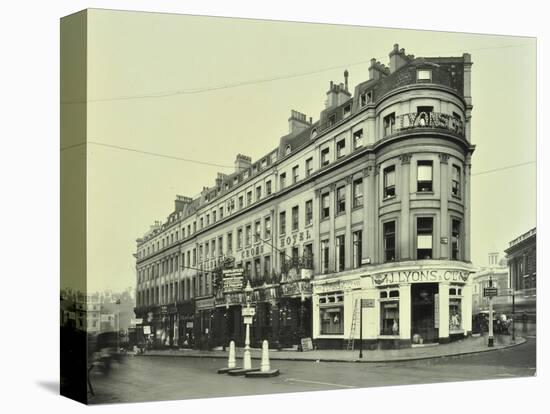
186 316
203 323
295 322
410 304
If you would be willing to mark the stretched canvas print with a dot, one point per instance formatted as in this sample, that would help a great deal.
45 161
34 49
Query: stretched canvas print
250 206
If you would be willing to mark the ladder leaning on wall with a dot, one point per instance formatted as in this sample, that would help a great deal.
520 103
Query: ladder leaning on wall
354 319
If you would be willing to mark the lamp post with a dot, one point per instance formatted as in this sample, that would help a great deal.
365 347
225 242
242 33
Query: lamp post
247 361
118 326
490 340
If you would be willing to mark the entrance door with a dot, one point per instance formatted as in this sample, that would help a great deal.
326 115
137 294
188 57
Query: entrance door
423 318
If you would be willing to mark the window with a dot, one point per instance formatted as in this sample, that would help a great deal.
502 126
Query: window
241 202
295 218
229 242
267 266
248 269
268 187
325 206
358 139
424 115
389 241
324 157
424 74
424 176
213 248
295 175
239 238
424 230
282 222
295 254
282 257
257 231
213 217
257 268
389 124
331 313
347 110
324 256
340 200
309 212
455 185
221 212
206 250
258 193
308 255
249 198
313 133
288 149
267 227
248 235
194 256
341 148
389 182
389 312
331 120
358 193
455 240
455 310
340 253
357 248
282 179
309 166
363 99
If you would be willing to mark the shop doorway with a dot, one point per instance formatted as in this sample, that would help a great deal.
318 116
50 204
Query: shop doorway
424 307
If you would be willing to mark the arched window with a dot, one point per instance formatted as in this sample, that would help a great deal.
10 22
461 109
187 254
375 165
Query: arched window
313 133
288 149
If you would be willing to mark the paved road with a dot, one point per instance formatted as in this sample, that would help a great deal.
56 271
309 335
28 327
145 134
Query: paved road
149 378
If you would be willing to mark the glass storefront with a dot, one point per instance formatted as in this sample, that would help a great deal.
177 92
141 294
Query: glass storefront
331 312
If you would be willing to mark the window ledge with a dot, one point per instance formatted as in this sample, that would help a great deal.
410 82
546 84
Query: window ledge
425 192
389 198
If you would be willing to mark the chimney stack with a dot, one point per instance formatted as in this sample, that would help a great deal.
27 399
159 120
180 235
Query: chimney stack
297 122
337 94
398 58
242 162
181 202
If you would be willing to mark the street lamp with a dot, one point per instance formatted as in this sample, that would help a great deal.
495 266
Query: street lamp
490 339
118 325
249 312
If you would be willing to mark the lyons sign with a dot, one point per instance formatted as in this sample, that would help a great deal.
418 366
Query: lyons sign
419 276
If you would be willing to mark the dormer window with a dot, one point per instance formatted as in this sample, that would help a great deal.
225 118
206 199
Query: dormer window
331 120
424 75
313 133
288 149
347 110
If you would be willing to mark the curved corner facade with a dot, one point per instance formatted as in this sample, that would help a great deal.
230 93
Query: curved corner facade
367 208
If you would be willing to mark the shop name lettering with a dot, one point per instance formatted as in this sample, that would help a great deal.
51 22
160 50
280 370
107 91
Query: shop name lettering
296 237
254 251
420 276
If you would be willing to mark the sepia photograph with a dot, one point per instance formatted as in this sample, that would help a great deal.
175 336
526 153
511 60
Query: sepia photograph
274 207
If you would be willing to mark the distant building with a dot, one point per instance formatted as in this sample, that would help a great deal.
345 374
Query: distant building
522 262
496 275
87 312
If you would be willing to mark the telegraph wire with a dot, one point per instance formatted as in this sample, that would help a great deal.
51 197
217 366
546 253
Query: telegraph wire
251 82
506 167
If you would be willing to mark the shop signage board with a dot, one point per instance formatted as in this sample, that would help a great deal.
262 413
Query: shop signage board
233 280
367 303
420 276
136 321
147 330
249 311
248 320
490 292
307 344
164 310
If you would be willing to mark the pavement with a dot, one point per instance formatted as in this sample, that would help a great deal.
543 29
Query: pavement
470 345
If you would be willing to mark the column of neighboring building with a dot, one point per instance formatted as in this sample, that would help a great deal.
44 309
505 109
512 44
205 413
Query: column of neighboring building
349 239
404 194
444 197
316 231
369 212
443 312
373 218
467 205
332 220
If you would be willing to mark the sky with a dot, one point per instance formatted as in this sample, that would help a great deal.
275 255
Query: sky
205 89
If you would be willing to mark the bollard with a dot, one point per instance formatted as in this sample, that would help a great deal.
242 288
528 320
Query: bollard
232 362
264 366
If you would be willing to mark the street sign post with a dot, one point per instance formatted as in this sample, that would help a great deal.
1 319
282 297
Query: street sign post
490 292
249 312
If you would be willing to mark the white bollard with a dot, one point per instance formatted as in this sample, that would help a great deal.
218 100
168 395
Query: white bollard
232 362
264 366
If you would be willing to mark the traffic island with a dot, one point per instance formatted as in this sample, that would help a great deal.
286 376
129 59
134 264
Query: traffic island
262 374
241 371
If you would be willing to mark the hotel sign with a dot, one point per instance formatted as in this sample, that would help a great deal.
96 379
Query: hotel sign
296 288
291 240
420 276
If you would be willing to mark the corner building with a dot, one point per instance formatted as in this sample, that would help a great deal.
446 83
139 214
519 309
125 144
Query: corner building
372 201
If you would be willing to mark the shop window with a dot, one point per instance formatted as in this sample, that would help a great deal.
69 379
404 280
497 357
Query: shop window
341 148
389 314
325 206
282 222
389 241
331 313
389 181
455 239
424 176
324 256
309 166
295 175
389 124
340 253
309 212
340 200
358 139
295 218
455 310
325 157
357 248
455 184
424 237
358 193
